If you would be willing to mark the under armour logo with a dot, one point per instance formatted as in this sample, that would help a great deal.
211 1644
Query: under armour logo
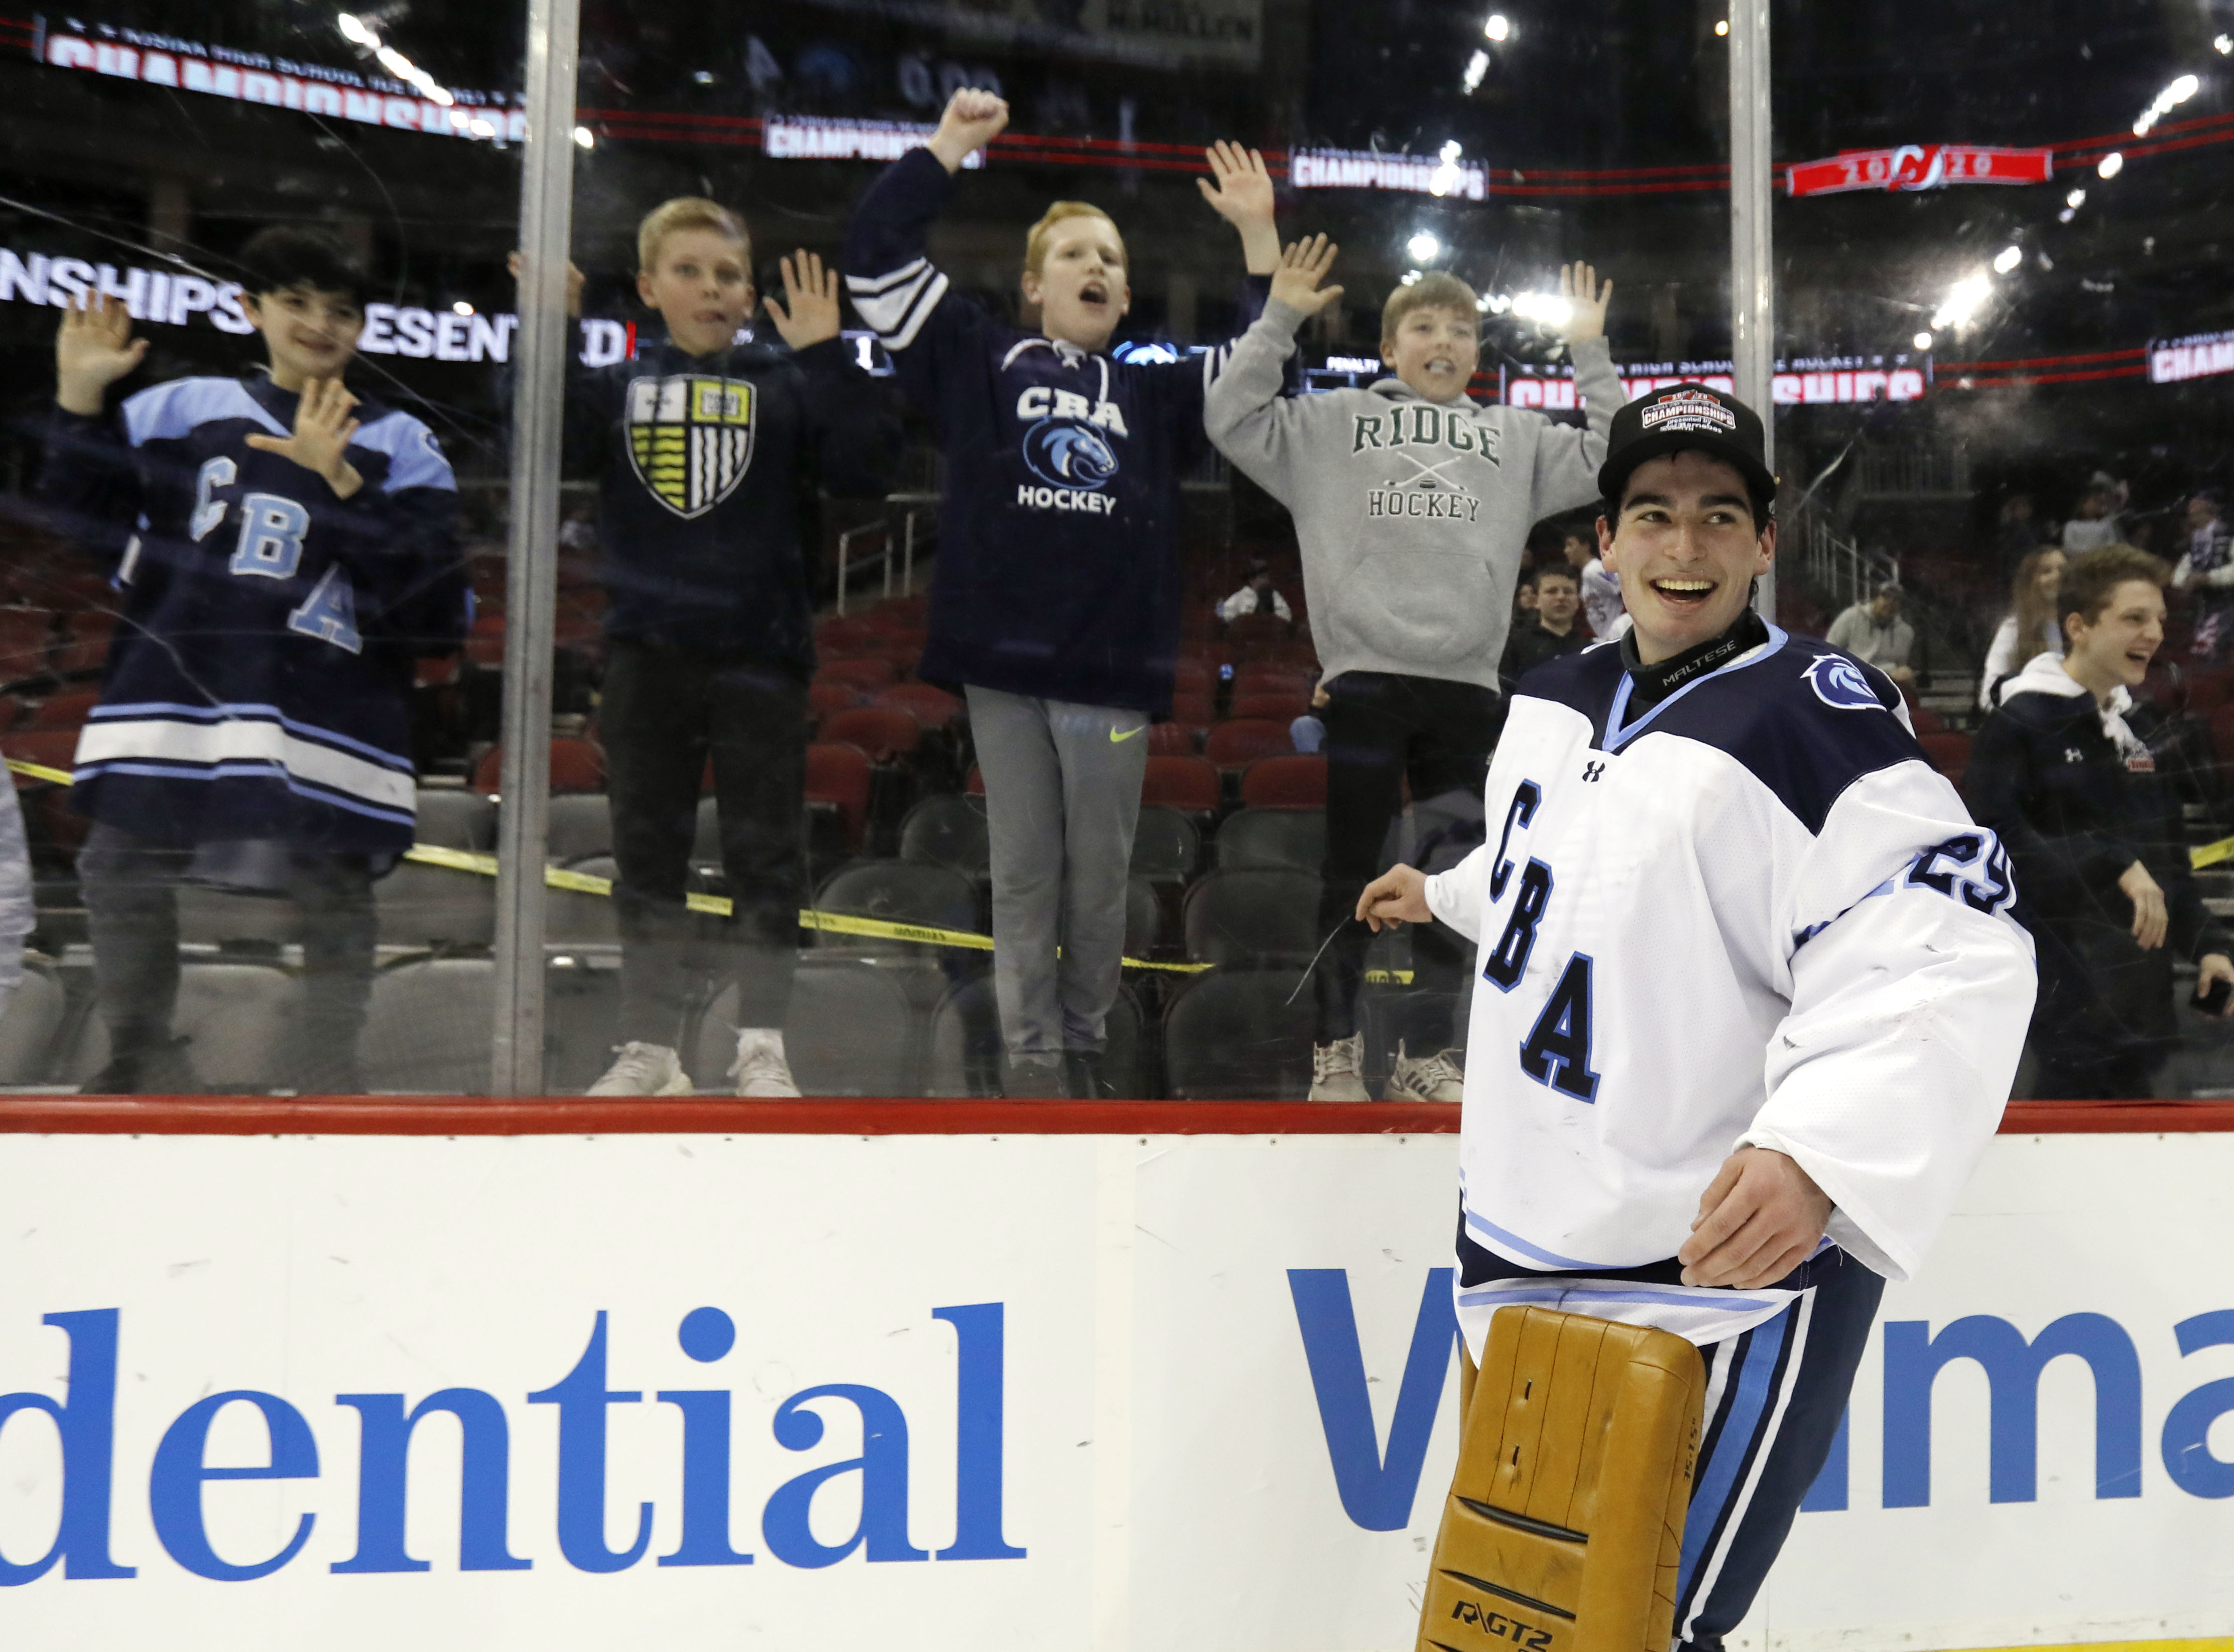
2073 754
1592 771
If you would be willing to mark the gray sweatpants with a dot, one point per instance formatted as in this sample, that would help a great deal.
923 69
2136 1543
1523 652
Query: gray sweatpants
1062 797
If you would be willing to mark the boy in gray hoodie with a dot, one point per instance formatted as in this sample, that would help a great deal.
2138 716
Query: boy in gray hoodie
1412 504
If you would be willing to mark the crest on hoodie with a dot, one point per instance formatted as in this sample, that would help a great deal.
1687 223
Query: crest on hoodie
690 438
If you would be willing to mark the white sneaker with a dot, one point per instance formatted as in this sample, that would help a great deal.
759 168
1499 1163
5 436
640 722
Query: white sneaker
1338 1070
760 1070
644 1069
1425 1078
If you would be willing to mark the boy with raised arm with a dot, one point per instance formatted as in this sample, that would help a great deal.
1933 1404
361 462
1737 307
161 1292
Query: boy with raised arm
1412 504
709 453
1057 600
283 549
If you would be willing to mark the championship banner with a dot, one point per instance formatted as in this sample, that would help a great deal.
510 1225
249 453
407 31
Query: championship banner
1918 165
986 1393
2200 355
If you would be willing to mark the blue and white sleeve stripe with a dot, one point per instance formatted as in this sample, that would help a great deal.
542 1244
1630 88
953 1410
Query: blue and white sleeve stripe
895 305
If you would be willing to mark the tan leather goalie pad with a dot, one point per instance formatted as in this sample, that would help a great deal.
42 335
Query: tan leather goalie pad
1564 1525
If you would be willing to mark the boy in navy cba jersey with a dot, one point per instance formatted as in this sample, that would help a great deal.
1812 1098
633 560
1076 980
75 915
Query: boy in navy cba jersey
708 453
1057 600
283 549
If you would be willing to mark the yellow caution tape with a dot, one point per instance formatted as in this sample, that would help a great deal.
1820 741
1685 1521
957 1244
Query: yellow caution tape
427 854
2210 854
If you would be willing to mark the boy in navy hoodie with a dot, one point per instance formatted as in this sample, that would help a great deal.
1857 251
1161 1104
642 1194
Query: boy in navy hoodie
1057 600
709 453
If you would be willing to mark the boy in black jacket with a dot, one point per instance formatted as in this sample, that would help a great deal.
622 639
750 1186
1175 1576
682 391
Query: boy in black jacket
283 549
1057 600
709 453
2068 771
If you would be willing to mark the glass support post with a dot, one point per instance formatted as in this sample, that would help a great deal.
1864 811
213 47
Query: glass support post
1753 309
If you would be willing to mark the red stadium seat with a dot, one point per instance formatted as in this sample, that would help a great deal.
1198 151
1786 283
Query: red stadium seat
485 643
1927 721
1189 783
872 671
887 734
932 707
1291 782
84 649
576 766
1195 710
24 634
824 698
1253 631
1270 707
66 710
976 784
1170 739
849 636
1262 677
436 671
1238 743
837 777
1194 676
1950 753
49 748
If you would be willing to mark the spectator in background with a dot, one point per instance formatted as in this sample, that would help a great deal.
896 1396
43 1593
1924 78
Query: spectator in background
2068 771
1307 733
1874 633
18 916
2207 569
2031 627
2098 522
1600 591
2018 535
1256 597
1552 632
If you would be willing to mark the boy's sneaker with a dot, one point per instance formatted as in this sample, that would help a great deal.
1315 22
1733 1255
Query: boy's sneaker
760 1070
1338 1070
642 1069
1035 1078
1425 1078
159 1068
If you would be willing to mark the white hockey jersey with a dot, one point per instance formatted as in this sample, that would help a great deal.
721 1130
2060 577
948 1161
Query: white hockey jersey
1752 915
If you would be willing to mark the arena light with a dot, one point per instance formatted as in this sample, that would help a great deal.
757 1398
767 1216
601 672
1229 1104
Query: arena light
2110 166
1922 341
1423 246
354 31
1499 27
1476 66
1962 302
1723 27
2165 101
585 139
2224 44
1548 308
462 308
2008 259
1446 179
1408 278
2075 199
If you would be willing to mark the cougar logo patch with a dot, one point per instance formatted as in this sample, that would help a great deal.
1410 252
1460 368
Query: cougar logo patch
1840 684
690 438
1068 454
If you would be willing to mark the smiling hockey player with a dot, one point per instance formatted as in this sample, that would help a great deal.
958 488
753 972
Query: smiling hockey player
1751 993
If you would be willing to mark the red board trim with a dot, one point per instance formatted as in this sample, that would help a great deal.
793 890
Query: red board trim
714 1115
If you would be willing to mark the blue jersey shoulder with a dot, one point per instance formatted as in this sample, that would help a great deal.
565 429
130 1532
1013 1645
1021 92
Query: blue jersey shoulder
1806 719
414 458
169 412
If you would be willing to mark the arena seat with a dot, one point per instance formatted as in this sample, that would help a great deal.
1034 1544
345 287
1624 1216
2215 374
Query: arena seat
1167 847
578 825
453 819
1181 783
852 1030
868 673
1239 1036
901 891
963 1050
576 765
1194 710
237 1018
1294 838
1252 914
1272 705
1290 781
1170 739
837 777
825 698
932 707
949 831
31 1026
419 906
1236 744
1950 753
573 918
428 1026
887 734
65 710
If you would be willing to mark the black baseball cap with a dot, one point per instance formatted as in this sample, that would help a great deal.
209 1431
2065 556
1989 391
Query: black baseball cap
1684 416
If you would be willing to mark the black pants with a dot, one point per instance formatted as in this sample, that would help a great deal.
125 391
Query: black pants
131 889
664 712
1382 728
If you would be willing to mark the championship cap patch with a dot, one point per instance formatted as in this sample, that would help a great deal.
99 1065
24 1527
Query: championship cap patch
690 438
1688 410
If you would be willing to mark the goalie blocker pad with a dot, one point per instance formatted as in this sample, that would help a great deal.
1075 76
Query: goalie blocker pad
1564 1525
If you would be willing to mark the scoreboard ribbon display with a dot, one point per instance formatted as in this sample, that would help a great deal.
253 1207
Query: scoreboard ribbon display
1919 166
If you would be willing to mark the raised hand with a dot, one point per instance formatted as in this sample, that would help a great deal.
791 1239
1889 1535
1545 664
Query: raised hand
574 279
1586 303
808 313
93 349
323 429
1303 266
973 119
1242 195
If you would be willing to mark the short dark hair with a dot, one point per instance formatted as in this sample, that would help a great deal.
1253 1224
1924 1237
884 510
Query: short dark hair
2089 579
1762 505
1557 571
287 256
